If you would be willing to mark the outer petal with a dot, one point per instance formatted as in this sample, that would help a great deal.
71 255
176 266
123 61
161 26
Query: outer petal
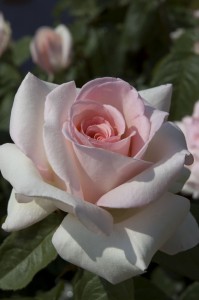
30 186
158 97
146 187
128 250
113 170
22 215
27 117
186 237
59 151
156 118
178 184
151 184
168 141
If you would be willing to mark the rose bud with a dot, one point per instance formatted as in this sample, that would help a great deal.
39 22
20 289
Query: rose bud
51 49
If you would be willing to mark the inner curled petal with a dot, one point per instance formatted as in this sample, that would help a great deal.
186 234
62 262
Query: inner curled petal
97 123
100 129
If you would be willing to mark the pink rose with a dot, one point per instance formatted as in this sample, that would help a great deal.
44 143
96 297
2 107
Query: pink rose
106 155
51 49
5 34
190 127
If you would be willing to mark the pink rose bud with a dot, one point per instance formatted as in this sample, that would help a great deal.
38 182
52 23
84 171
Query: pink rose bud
5 34
190 127
51 49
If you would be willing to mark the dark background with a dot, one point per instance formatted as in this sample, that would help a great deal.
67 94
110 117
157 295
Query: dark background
25 16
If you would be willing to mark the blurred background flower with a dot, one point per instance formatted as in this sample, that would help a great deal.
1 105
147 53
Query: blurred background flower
51 49
190 127
5 34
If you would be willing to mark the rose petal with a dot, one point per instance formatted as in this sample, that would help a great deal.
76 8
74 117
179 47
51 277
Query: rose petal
114 92
156 118
120 147
30 186
113 170
127 251
196 110
151 183
22 215
158 97
178 184
28 181
58 150
146 187
81 115
143 127
186 237
172 140
26 124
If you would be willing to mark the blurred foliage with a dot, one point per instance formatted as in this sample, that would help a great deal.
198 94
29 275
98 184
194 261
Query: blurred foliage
146 43
19 264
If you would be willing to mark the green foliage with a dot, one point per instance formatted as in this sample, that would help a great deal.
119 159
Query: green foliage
26 252
53 294
9 81
171 284
21 51
191 293
146 290
123 290
185 263
182 70
89 286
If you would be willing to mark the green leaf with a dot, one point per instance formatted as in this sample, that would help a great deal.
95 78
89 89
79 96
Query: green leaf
182 70
171 284
26 252
191 293
53 294
186 41
120 291
185 263
145 289
139 20
21 50
88 286
5 110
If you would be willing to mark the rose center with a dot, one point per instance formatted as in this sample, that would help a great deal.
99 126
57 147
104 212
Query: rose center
97 128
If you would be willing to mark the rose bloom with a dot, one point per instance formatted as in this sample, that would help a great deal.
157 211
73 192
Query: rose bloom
190 127
5 34
106 155
51 48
